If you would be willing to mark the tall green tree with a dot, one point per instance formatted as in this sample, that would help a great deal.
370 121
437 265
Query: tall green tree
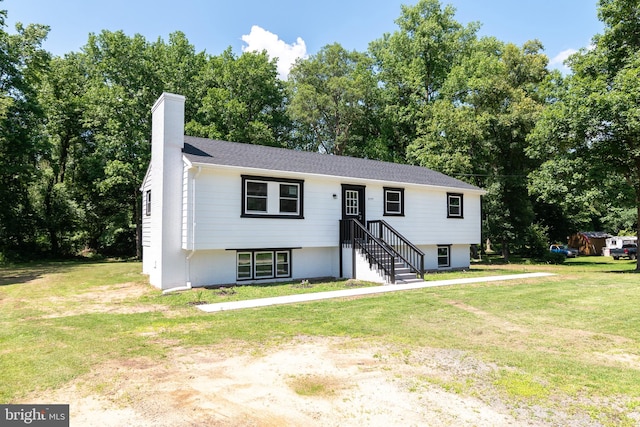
242 100
98 125
179 67
61 94
413 64
596 118
122 84
333 103
486 108
22 64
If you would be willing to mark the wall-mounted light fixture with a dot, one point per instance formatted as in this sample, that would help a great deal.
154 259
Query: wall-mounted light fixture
335 196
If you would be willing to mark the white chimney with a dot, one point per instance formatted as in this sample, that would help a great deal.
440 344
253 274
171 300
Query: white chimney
168 260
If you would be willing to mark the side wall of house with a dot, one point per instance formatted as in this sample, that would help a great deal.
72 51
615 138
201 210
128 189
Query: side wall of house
146 225
188 182
425 219
217 267
459 257
219 224
213 225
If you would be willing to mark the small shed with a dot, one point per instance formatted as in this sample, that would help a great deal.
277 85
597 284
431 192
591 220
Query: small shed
589 242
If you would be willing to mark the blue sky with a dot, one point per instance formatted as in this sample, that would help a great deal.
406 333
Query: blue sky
288 28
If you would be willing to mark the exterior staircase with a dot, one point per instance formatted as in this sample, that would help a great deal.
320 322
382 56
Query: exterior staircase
386 250
404 274
402 271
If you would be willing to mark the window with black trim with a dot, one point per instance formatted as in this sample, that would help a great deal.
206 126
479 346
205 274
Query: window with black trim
289 198
255 196
444 257
244 264
283 264
272 197
147 204
393 201
263 264
454 205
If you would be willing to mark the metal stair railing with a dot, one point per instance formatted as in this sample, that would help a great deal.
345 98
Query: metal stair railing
406 250
376 252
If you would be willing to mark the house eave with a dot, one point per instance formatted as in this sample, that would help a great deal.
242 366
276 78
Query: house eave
262 171
146 176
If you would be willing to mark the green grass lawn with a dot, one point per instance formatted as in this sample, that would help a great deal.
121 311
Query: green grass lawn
573 334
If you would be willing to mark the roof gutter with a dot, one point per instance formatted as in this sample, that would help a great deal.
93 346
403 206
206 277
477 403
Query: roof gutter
262 171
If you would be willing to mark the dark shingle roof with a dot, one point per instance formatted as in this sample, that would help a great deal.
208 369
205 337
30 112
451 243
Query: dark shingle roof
215 152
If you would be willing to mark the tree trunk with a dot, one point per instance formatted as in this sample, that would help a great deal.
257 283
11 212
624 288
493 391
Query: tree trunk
505 250
64 155
51 228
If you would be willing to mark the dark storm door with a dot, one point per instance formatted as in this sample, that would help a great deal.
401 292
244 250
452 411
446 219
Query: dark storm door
353 202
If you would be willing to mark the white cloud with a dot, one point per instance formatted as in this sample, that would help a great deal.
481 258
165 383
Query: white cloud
260 39
558 60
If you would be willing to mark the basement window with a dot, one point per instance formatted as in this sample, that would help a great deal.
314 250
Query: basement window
263 264
444 256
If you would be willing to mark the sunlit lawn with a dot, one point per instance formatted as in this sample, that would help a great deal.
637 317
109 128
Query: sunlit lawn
575 333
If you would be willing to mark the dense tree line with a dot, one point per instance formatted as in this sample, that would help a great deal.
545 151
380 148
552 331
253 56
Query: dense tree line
556 153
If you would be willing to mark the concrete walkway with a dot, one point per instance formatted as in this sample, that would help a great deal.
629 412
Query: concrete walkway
289 299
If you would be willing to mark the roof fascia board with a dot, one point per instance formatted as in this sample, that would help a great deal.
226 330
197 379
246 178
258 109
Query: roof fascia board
146 175
351 179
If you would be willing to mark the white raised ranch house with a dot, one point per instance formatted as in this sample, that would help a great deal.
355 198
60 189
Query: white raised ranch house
220 213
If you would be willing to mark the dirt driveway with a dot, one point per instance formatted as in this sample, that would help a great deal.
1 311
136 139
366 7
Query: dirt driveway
308 381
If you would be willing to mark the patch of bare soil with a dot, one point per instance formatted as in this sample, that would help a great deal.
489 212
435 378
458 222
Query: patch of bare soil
102 299
309 381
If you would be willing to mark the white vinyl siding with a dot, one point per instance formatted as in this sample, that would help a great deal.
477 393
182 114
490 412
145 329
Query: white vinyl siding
458 257
146 218
425 221
187 207
220 225
219 267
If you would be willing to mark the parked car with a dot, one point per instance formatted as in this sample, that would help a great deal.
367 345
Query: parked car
629 250
565 250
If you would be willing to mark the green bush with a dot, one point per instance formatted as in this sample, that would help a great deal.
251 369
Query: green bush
536 241
553 258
